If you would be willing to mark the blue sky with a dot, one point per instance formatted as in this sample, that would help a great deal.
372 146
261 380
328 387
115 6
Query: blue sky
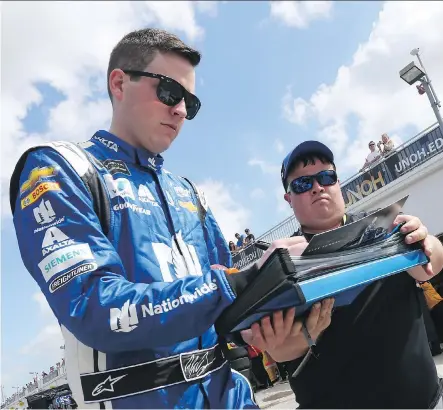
270 77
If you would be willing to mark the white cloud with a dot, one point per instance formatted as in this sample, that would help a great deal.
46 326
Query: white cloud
300 14
278 145
369 90
231 216
257 193
266 167
295 110
43 42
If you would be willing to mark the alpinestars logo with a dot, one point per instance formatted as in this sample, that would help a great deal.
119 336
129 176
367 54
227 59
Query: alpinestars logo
126 318
44 213
106 385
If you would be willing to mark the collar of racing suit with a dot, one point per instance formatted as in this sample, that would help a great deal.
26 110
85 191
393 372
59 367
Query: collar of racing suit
120 149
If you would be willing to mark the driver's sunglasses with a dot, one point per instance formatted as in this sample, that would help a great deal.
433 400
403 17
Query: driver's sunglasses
171 92
304 184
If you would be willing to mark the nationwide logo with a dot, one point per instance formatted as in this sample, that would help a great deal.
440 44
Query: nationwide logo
54 239
151 160
144 195
126 319
44 213
65 278
182 192
35 176
57 222
38 192
188 205
108 144
64 258
119 187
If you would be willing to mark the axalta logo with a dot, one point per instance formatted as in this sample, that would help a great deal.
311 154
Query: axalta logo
54 239
108 144
126 319
35 176
38 192
132 207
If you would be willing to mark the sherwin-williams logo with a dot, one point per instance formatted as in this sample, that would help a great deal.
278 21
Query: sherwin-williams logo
64 258
35 176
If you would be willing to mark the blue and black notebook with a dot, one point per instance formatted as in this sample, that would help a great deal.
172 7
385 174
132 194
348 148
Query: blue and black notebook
339 263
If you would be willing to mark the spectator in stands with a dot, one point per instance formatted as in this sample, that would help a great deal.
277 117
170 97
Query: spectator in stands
388 145
372 156
240 240
249 237
232 247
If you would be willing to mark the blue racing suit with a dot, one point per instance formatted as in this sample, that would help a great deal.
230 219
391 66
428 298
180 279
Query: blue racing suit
143 291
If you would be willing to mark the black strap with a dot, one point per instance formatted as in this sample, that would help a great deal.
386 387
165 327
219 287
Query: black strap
141 378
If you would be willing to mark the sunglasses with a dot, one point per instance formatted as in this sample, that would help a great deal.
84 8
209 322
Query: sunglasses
304 184
171 92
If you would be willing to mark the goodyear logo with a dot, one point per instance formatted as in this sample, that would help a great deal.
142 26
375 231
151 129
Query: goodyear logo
38 192
35 176
188 205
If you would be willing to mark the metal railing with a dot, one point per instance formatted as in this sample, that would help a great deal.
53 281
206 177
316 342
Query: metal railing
394 151
41 384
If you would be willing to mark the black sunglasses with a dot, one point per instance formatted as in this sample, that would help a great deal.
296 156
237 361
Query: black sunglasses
171 92
304 184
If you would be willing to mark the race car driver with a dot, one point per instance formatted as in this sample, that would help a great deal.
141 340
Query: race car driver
126 264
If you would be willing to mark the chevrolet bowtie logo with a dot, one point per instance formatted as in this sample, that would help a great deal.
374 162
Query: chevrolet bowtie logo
35 176
188 205
107 385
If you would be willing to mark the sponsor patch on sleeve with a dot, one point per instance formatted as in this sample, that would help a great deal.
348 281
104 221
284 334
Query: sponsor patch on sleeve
62 259
38 192
66 277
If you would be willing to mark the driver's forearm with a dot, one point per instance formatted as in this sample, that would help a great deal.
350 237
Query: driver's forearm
436 258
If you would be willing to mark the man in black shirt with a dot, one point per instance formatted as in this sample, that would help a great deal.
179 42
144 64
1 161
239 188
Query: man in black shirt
375 352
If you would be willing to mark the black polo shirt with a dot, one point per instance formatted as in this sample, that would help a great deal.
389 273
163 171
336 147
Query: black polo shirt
382 360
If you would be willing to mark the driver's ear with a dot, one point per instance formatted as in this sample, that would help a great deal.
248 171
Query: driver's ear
287 198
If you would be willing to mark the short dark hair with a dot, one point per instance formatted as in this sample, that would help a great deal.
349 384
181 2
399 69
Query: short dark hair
138 48
309 160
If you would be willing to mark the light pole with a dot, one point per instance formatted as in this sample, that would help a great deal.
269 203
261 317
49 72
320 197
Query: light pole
411 74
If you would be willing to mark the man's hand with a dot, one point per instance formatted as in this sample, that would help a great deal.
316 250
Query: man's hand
284 339
295 246
415 231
